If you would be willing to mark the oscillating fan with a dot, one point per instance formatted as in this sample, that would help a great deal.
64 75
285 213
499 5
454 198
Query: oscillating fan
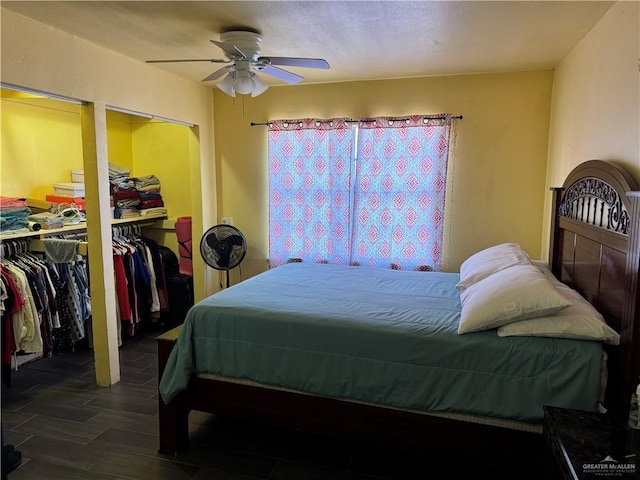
223 247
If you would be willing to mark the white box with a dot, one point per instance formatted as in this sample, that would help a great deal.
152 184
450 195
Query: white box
77 176
70 189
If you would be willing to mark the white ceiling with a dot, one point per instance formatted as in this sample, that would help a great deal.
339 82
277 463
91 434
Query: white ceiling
360 39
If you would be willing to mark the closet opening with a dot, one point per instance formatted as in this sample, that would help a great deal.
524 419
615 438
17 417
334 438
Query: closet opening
40 145
152 155
42 162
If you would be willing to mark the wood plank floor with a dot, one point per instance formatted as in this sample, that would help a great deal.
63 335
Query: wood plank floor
67 428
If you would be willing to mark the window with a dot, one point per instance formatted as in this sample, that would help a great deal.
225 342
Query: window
369 193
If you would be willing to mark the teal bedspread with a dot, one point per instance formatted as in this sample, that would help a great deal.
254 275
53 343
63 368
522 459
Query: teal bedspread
379 336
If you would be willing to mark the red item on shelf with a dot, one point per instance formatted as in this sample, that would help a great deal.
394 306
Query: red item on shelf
79 202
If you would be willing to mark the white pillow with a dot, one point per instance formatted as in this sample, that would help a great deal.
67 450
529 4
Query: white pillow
515 293
581 320
489 261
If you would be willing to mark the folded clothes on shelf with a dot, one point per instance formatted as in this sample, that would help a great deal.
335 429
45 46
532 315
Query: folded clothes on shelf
12 202
153 211
14 213
125 212
117 173
147 183
127 203
47 220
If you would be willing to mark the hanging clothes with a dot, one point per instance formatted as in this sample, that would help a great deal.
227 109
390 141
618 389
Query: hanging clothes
11 302
139 300
45 305
24 302
72 290
26 321
61 333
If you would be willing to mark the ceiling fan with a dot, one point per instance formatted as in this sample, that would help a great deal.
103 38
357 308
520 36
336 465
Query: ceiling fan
242 52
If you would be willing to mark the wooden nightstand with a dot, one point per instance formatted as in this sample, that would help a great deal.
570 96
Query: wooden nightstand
589 445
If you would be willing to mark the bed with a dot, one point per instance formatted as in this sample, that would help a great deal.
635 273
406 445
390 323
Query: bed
381 354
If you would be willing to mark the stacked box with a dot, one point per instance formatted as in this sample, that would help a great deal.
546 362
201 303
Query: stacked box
69 189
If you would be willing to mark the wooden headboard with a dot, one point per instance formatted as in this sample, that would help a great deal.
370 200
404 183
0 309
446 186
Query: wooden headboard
595 249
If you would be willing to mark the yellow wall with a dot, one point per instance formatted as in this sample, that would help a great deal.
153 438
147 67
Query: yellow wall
43 58
162 149
153 147
497 168
41 144
596 100
120 139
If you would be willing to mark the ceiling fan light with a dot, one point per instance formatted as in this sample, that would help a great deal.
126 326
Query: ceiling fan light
227 85
243 83
260 87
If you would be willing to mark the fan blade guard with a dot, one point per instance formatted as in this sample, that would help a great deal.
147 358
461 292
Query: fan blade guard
223 247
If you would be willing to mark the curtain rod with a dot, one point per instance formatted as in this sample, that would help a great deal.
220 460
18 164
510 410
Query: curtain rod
457 117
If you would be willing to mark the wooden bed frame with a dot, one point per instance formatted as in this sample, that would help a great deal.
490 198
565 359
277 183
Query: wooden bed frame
595 249
600 258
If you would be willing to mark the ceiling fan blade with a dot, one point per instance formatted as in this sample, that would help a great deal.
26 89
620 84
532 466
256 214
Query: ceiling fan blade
229 49
210 60
218 73
279 73
297 62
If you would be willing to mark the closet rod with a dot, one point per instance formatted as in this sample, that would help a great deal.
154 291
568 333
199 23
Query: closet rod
37 245
144 223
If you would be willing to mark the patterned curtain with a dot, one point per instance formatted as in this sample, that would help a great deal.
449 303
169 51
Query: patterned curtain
399 192
309 178
383 208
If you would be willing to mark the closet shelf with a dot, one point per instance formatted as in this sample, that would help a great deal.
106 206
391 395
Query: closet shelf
79 228
142 219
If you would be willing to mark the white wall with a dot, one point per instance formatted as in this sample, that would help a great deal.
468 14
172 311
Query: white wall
595 108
